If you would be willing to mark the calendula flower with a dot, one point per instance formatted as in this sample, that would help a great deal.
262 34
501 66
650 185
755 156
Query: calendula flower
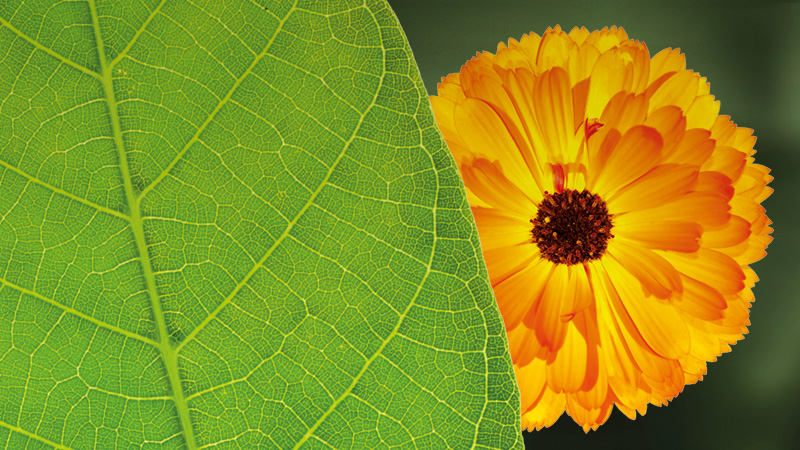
617 212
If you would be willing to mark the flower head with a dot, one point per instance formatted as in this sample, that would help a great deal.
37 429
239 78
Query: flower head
618 213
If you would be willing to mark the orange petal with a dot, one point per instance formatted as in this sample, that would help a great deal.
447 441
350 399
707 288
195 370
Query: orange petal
612 73
531 380
749 251
524 347
695 145
580 294
728 161
607 38
566 368
593 390
498 229
619 363
484 133
443 109
546 318
520 85
624 110
656 275
588 419
667 235
641 66
753 183
703 112
626 355
706 343
476 68
601 147
716 269
637 152
545 411
724 131
519 294
450 88
555 49
736 231
679 90
494 93
666 61
473 199
512 58
670 124
705 208
502 262
693 368
528 44
658 186
699 299
580 66
579 34
715 182
659 324
488 181
553 109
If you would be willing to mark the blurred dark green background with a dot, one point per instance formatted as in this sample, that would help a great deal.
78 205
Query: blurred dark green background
750 52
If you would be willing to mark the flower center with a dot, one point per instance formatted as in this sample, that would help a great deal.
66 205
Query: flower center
572 227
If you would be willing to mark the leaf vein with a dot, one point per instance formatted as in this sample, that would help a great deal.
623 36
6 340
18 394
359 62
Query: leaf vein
136 36
216 110
77 313
50 51
32 436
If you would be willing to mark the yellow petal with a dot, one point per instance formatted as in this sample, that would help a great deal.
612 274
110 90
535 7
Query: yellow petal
502 262
488 181
655 274
658 322
679 90
612 73
498 229
705 208
555 50
484 133
736 231
658 186
566 368
667 235
545 411
703 112
531 380
671 125
624 110
553 109
637 152
716 269
546 318
700 300
666 61
518 294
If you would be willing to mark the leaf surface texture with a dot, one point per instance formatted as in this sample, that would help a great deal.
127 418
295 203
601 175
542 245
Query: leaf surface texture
234 224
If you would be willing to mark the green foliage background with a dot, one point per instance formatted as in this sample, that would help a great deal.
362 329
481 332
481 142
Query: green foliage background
750 52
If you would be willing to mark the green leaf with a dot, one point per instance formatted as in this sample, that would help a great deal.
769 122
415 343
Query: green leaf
235 224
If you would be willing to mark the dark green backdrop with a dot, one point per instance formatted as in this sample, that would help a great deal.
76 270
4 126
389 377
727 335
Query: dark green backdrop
750 52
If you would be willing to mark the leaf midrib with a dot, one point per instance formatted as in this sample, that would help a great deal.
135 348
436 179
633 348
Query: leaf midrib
168 353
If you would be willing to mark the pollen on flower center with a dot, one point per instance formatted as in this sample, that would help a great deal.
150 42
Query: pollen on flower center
572 227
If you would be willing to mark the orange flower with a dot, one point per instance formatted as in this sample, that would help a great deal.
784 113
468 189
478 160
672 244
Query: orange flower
618 213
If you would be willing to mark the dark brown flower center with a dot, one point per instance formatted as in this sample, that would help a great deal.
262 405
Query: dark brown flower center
572 227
